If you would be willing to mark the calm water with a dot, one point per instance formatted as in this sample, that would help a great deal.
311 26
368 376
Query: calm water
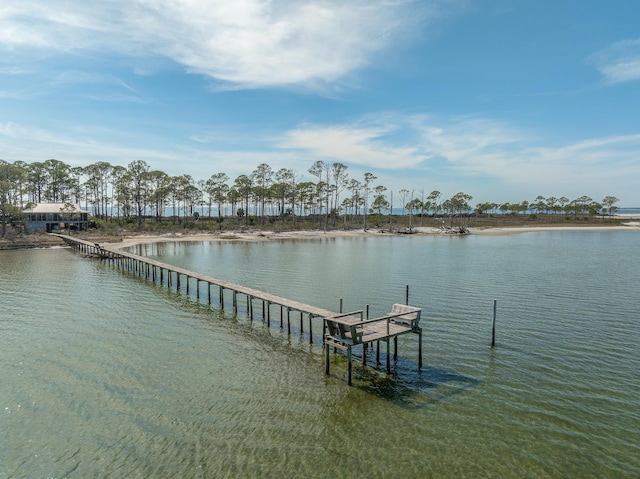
103 374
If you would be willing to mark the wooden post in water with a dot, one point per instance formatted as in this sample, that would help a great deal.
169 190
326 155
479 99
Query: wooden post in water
340 306
349 368
269 313
326 360
419 348
406 301
388 353
493 324
235 301
364 346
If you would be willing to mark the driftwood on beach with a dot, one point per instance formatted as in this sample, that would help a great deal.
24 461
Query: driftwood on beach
455 230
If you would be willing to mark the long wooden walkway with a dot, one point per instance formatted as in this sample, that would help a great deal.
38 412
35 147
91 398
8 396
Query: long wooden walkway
171 276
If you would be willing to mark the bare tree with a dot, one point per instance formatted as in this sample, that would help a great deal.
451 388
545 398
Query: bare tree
368 179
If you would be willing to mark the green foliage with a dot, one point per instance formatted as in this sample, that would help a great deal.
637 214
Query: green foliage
377 219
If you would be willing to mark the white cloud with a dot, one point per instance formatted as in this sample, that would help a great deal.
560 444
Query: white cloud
358 145
242 43
619 62
393 142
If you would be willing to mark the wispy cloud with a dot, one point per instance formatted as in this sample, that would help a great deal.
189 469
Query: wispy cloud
105 88
619 62
77 147
354 144
396 142
72 77
243 44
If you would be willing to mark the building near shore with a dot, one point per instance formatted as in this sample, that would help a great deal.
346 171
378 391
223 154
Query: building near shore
48 217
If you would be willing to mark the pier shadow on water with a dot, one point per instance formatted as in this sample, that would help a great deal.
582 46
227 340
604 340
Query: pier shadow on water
407 386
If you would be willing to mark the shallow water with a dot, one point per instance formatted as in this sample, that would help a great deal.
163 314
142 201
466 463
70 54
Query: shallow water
105 374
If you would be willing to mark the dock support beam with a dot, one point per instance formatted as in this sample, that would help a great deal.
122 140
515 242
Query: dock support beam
326 359
389 355
235 301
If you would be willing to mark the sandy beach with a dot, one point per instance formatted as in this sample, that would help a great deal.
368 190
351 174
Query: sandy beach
244 236
125 239
130 240
633 225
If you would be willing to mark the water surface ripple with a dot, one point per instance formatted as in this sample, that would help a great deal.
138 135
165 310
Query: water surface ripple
104 374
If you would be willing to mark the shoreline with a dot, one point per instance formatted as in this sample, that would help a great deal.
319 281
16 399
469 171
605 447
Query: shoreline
508 230
130 239
133 240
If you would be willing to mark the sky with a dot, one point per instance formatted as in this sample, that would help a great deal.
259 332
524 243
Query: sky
504 100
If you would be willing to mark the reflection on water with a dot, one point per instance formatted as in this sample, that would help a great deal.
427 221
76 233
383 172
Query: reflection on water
104 374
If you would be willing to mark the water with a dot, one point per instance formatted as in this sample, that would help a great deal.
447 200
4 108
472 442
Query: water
104 374
628 211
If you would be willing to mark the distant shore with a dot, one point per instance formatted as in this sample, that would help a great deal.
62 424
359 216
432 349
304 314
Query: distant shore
132 240
127 239
508 230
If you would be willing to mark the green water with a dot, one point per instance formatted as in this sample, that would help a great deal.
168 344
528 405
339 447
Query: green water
104 374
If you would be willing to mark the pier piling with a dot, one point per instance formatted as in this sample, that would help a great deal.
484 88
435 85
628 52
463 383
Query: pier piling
493 324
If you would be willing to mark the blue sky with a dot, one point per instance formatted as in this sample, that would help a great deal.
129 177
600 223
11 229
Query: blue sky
504 100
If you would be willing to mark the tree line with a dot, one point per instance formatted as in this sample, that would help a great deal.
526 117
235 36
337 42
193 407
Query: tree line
139 193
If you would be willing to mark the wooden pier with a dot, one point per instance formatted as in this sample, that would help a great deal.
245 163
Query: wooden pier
343 331
346 330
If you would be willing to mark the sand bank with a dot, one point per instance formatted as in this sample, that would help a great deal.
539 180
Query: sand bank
509 230
315 234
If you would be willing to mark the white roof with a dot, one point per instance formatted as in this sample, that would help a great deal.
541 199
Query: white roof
54 208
